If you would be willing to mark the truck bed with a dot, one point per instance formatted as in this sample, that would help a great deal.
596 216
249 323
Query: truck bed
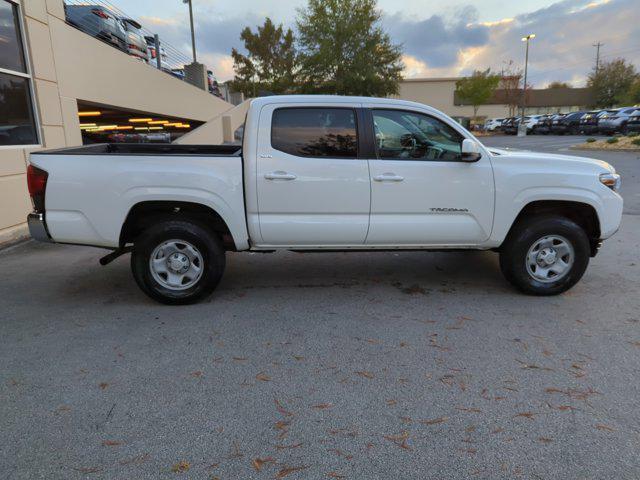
148 149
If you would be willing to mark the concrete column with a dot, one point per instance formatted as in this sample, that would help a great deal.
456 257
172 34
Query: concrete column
196 74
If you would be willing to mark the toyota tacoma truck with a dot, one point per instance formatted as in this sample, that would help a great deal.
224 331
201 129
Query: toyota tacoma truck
325 173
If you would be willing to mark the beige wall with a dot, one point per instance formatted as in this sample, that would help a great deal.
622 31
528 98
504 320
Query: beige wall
438 93
68 65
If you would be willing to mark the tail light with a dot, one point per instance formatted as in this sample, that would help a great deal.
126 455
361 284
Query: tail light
37 184
100 13
153 52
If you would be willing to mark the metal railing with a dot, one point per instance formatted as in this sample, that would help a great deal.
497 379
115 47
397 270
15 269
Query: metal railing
113 32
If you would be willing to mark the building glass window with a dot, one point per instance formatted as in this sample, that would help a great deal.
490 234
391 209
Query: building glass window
315 132
17 123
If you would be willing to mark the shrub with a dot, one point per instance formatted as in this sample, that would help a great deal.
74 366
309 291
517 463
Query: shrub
633 134
612 140
636 141
591 140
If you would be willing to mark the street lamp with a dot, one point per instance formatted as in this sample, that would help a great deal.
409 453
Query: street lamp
528 38
193 32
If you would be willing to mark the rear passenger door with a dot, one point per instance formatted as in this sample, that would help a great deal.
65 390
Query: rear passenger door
312 186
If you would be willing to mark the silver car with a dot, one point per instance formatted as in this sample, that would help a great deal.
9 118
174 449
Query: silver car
615 121
136 43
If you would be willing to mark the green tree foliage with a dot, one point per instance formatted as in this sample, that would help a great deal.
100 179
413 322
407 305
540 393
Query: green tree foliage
477 89
270 63
345 51
633 94
557 84
611 82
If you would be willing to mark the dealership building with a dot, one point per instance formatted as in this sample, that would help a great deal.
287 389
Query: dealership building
60 86
440 93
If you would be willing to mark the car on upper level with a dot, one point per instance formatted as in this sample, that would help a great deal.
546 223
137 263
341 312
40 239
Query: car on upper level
136 43
153 56
325 173
99 22
616 121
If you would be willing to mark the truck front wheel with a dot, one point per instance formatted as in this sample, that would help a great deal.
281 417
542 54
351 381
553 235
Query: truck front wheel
545 255
177 262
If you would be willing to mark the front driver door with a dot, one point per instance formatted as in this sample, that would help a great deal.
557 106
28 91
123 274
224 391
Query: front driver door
312 185
421 193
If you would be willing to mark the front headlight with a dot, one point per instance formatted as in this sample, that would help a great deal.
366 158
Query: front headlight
611 180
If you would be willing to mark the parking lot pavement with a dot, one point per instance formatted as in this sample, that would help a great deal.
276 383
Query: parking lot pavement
359 366
625 163
362 365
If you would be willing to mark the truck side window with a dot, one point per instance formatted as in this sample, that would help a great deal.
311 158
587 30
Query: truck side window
315 132
403 135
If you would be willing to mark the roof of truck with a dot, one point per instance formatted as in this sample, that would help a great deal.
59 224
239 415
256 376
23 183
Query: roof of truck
328 99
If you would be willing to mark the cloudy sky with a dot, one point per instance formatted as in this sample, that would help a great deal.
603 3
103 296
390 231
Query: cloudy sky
439 38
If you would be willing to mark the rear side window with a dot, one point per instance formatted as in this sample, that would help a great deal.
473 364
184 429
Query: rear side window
315 132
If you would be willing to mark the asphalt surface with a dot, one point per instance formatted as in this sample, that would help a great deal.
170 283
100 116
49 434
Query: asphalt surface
350 365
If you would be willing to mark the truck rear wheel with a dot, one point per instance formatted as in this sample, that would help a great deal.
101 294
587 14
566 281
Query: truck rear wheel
177 262
545 255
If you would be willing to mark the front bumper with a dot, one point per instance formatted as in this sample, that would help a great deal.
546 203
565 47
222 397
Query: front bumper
38 227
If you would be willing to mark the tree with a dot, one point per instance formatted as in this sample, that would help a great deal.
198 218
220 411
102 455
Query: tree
510 86
270 63
557 84
611 82
478 88
632 96
345 51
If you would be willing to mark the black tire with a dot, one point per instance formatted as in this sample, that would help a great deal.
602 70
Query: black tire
527 233
206 243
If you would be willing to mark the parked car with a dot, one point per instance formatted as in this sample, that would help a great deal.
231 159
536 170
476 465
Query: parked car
531 121
568 123
492 124
99 22
510 125
151 48
633 124
136 43
554 121
401 188
589 122
615 122
214 88
543 127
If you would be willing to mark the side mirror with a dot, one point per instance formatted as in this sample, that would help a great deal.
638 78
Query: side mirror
470 151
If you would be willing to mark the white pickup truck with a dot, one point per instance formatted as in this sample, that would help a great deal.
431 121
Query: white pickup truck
326 173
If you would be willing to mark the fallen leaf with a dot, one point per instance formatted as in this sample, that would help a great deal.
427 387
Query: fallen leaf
137 460
263 377
258 463
298 357
289 470
111 443
365 374
435 421
322 406
391 403
240 359
545 440
471 410
289 447
281 409
605 428
528 415
87 469
103 385
400 439
197 374
181 467
335 475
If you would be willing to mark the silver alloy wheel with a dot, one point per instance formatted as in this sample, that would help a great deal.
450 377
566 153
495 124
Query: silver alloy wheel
176 264
550 258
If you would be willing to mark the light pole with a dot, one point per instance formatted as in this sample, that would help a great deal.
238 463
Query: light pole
528 38
193 32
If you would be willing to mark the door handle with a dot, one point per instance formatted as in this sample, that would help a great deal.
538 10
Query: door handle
280 175
388 177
